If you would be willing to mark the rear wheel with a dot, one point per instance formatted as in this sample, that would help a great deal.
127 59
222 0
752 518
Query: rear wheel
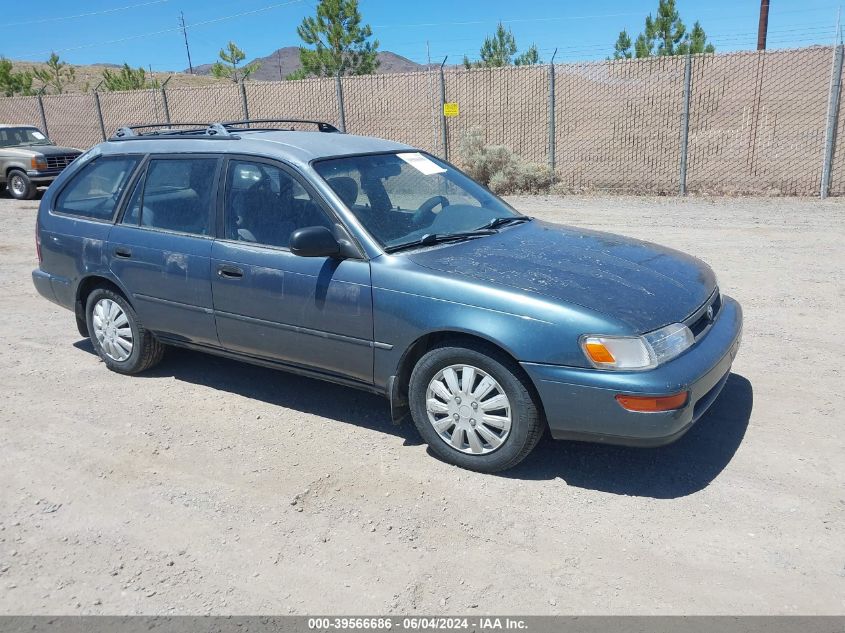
474 408
20 186
118 336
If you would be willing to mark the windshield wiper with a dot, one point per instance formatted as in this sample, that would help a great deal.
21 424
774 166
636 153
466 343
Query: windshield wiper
438 238
496 223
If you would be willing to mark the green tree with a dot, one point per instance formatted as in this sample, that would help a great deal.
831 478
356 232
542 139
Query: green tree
500 50
14 83
128 79
622 48
497 50
664 34
228 67
341 44
697 42
57 74
529 57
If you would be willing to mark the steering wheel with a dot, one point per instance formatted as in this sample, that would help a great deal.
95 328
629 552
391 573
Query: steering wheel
425 212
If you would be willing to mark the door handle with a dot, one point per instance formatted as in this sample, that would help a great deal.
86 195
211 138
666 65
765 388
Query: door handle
123 253
230 272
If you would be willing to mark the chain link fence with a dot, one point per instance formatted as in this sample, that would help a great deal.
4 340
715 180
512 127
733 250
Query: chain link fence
737 123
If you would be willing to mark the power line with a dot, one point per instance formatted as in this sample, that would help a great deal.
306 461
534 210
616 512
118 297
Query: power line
185 34
86 15
163 31
566 18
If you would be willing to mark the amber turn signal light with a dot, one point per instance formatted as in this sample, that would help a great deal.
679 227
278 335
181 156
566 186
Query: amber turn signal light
38 162
598 352
651 404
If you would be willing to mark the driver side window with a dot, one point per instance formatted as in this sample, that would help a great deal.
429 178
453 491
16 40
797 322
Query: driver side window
95 189
264 205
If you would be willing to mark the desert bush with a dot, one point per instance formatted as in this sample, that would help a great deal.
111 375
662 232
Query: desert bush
497 167
522 177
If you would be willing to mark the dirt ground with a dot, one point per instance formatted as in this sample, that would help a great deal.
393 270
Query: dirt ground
210 486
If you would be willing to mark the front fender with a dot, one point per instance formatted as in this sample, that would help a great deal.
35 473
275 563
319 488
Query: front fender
410 302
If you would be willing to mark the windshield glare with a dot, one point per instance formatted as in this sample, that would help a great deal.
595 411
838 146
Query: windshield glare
19 136
403 196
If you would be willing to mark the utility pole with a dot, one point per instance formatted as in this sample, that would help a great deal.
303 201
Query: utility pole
279 60
763 28
185 34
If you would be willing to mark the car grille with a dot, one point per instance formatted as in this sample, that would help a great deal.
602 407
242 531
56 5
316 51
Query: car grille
60 161
700 321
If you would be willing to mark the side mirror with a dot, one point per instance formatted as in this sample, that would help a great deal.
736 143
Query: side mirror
314 241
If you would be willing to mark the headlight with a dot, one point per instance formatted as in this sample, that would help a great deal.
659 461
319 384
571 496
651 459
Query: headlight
637 352
38 162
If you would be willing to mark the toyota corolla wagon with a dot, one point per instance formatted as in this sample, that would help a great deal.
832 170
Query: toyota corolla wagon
378 266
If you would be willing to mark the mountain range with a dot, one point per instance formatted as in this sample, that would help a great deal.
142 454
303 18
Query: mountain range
284 61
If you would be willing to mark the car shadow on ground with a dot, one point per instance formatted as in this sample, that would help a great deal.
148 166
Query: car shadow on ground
677 470
666 472
282 389
5 195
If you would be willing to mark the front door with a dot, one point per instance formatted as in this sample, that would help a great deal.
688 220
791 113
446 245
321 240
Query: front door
161 249
310 312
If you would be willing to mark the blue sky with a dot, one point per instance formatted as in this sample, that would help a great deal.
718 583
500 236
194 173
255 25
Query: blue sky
145 33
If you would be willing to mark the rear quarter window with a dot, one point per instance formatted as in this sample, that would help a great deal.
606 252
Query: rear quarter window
94 191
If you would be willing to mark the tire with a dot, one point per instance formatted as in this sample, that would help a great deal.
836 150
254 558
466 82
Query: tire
502 446
20 186
106 329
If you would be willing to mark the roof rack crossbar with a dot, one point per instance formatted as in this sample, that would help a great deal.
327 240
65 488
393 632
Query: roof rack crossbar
321 125
207 130
167 125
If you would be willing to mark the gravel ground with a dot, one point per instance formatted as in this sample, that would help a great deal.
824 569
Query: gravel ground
209 486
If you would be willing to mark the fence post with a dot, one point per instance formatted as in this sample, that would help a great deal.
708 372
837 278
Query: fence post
99 114
43 116
682 190
552 115
244 101
341 111
832 119
443 135
166 105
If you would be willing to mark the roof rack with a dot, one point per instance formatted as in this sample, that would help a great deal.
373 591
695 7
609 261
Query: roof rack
322 126
209 130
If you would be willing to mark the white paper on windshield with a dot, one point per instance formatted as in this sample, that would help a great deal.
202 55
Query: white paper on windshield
422 164
38 135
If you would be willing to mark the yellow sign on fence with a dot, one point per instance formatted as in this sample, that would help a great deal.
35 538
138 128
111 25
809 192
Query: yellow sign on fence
451 109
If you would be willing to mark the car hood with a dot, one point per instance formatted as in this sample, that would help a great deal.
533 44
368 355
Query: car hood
31 150
642 284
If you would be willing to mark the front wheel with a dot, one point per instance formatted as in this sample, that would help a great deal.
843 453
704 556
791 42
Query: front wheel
118 336
20 186
474 408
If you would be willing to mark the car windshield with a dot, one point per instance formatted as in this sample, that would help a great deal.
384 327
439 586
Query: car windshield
20 136
403 197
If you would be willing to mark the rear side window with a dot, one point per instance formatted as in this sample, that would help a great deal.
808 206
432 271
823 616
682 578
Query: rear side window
95 189
174 195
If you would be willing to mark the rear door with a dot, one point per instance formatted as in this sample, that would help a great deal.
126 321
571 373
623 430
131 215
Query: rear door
314 312
161 248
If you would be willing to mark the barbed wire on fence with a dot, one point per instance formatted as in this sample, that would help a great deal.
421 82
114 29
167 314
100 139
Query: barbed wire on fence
749 122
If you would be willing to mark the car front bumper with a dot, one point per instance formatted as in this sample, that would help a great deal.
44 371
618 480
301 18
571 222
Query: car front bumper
43 176
581 403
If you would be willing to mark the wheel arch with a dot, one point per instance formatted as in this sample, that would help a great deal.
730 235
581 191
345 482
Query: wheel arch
85 287
399 382
14 167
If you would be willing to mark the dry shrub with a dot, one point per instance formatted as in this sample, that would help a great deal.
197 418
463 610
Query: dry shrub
497 167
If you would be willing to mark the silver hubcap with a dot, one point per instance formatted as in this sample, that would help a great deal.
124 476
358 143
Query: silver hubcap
469 409
111 327
17 185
